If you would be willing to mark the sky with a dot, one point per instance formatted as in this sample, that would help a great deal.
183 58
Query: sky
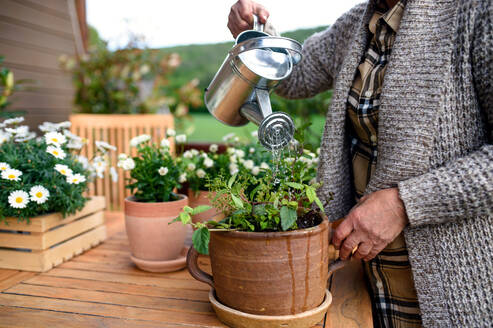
177 22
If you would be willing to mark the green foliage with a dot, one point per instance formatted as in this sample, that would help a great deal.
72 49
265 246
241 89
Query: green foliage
7 85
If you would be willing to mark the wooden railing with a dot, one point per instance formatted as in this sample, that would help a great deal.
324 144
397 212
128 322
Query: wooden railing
117 130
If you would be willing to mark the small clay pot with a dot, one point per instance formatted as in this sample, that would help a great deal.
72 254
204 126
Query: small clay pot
196 198
268 273
154 243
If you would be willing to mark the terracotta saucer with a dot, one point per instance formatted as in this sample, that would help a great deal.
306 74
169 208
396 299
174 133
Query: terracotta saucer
162 266
237 319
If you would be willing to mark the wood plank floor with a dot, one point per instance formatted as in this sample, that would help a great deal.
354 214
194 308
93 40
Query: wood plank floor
102 288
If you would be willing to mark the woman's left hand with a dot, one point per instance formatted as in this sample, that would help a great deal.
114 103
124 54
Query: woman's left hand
371 225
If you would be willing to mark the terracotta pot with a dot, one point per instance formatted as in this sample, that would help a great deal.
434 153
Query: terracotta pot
196 198
150 236
268 273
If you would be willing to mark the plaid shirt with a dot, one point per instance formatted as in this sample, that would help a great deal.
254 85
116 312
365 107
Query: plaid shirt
389 275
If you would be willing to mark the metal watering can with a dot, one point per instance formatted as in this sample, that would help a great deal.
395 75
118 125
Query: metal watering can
239 92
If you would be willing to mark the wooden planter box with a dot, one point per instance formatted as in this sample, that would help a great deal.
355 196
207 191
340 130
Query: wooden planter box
49 240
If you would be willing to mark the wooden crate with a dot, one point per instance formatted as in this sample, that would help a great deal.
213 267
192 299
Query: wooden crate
117 129
49 240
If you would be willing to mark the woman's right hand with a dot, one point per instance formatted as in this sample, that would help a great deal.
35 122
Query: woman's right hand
240 17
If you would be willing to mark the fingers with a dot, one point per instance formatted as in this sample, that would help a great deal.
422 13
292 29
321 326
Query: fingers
236 23
261 12
364 250
374 252
240 17
342 232
350 244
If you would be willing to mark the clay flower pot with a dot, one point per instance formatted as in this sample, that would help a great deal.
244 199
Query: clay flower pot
268 273
201 197
155 245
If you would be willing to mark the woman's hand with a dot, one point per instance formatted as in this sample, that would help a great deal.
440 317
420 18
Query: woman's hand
371 225
240 17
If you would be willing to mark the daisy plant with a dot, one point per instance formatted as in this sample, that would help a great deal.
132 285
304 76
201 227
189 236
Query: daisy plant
43 174
154 173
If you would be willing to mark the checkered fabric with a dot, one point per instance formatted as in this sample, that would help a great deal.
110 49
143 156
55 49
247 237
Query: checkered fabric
389 275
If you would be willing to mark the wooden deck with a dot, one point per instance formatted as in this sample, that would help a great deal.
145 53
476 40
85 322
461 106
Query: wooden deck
102 288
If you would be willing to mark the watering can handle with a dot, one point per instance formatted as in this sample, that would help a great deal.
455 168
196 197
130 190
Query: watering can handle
195 271
293 46
257 26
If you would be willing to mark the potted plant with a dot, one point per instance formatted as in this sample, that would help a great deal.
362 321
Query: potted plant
154 177
269 255
44 180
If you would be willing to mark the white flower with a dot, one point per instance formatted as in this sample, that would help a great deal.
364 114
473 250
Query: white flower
318 151
236 139
255 134
194 152
100 167
56 151
76 178
170 132
228 136
213 148
233 168
191 166
188 154
127 164
135 141
4 137
18 199
264 166
63 169
15 120
122 157
26 137
11 174
55 138
200 173
251 150
248 164
83 160
114 174
165 143
18 132
233 159
255 170
51 127
39 194
208 162
103 146
230 151
163 171
240 153
4 166
182 178
181 138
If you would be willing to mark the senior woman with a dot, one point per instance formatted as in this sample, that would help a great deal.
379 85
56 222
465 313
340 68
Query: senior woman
407 151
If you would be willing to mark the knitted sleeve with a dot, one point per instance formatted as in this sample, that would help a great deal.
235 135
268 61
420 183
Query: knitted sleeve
464 187
323 54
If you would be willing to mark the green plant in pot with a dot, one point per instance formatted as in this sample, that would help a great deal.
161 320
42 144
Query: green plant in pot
269 254
154 178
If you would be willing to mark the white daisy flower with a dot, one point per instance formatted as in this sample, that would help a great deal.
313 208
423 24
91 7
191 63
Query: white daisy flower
165 143
170 133
19 132
255 170
255 134
103 146
56 151
75 144
83 160
122 157
213 148
228 136
63 169
4 137
208 162
15 120
76 178
251 150
200 173
191 166
11 174
127 164
188 154
4 166
194 152
113 174
55 138
240 153
47 127
182 178
163 171
18 199
181 138
248 164
233 168
39 194
230 151
233 159
26 137
135 141
264 166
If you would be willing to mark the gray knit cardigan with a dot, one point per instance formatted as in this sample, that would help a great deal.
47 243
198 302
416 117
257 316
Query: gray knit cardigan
435 143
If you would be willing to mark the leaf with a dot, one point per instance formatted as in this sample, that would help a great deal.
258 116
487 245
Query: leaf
237 201
200 240
232 180
319 203
185 218
295 185
259 210
200 209
311 194
188 209
288 217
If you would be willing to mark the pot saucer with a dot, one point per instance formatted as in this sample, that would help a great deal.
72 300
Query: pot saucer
237 319
162 266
